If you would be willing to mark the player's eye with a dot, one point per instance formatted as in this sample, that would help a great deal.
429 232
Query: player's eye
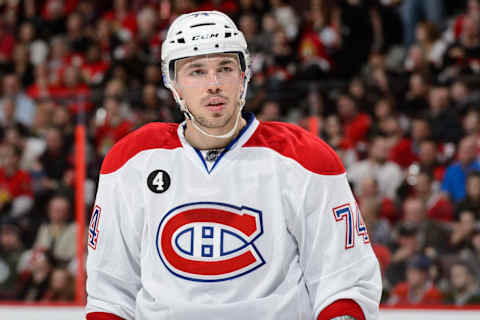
197 72
226 69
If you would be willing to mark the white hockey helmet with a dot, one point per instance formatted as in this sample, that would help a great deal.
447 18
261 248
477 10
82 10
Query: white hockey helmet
200 33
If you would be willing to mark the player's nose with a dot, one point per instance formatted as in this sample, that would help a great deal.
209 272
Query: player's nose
213 83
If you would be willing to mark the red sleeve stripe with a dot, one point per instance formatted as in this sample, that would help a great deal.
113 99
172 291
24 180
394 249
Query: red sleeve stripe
102 316
344 307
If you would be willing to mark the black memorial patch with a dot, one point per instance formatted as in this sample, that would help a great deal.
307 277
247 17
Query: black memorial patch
158 181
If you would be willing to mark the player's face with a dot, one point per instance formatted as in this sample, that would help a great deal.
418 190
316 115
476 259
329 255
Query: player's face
211 86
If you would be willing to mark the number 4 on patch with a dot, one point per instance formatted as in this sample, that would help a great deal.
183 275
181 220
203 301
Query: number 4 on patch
352 221
93 228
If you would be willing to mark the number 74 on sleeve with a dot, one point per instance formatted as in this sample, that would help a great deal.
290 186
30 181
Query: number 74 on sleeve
353 224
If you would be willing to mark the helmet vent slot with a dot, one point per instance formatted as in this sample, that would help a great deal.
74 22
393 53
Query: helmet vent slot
179 32
181 40
228 34
202 24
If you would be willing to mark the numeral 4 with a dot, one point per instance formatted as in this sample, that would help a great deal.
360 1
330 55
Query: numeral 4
93 228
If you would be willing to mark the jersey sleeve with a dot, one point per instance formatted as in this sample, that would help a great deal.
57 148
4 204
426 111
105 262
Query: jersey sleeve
340 269
114 244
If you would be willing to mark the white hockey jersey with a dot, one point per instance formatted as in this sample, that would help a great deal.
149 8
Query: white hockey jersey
271 231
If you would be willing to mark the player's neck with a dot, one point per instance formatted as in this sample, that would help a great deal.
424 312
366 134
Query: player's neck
203 142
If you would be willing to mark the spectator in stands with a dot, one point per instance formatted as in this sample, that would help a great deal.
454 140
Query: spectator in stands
122 19
58 234
364 36
472 11
471 254
9 110
387 173
463 56
419 288
402 149
406 246
319 40
270 111
16 196
429 163
147 37
114 126
77 41
269 26
454 183
286 17
94 68
31 147
416 61
378 228
463 230
355 123
22 66
472 199
11 250
358 90
37 276
471 126
61 286
54 18
444 122
437 204
461 96
54 160
24 106
427 36
368 189
412 11
464 288
420 130
248 25
334 136
7 43
432 233
416 99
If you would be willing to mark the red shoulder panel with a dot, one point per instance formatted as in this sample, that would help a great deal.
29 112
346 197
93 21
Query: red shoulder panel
294 142
151 136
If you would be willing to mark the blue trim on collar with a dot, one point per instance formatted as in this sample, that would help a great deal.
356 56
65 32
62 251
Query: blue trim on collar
249 116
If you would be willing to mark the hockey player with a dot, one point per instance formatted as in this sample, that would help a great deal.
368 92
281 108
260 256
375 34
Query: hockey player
223 217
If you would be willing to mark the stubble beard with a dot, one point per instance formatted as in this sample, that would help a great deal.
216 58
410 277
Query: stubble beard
219 120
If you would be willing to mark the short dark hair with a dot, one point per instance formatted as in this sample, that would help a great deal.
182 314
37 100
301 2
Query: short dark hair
474 174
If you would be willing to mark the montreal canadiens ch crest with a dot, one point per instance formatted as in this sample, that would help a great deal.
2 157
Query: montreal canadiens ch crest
210 241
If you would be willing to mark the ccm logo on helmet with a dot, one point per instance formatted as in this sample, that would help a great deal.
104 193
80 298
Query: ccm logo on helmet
210 241
206 36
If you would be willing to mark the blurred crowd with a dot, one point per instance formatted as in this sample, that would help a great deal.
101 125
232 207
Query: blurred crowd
393 86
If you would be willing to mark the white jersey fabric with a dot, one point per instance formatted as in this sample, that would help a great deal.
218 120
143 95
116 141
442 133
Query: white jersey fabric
270 232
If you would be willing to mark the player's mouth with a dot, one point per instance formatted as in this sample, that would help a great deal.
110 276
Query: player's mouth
216 104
